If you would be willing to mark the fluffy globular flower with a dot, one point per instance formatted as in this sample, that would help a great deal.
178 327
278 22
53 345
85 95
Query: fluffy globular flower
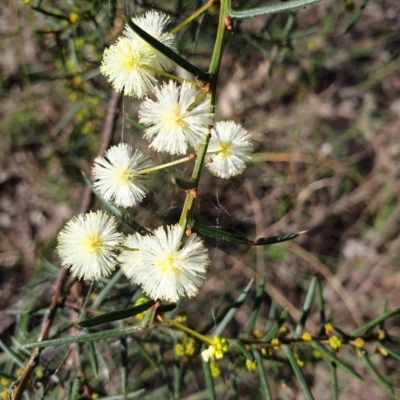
87 245
229 149
164 267
126 64
129 258
118 177
154 24
176 119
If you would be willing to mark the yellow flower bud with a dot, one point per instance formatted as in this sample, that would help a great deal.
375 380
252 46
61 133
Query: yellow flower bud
251 365
275 342
311 45
93 296
267 351
181 317
189 347
39 373
381 334
141 300
221 346
317 354
358 342
179 350
299 361
215 369
382 351
73 17
306 336
335 342
257 334
284 331
328 328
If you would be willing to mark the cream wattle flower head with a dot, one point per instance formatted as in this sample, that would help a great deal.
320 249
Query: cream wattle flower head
154 23
164 267
129 259
88 243
118 175
229 148
176 119
126 64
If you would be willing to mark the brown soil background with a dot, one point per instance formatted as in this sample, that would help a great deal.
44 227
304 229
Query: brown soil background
325 119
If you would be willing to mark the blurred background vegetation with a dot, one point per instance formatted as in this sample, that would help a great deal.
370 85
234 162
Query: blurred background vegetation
319 90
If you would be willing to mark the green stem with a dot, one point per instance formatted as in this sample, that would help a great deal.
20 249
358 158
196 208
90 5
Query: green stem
193 16
190 157
218 47
170 76
148 317
188 330
213 71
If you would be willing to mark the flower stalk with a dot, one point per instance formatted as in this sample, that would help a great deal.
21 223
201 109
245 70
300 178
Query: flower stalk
191 332
190 157
200 11
213 71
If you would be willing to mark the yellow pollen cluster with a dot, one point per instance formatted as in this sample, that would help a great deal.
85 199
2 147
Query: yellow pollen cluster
167 263
225 149
173 118
92 243
121 175
128 61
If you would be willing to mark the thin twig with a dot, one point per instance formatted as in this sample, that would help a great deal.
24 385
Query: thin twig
17 388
